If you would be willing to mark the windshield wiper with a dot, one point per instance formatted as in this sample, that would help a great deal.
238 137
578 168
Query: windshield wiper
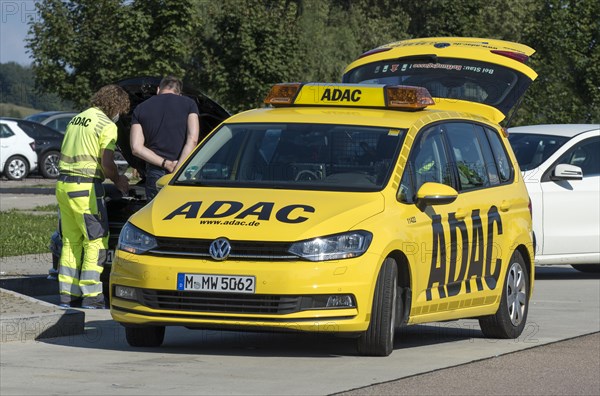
188 183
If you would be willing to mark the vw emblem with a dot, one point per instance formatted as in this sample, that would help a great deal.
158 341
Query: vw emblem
219 249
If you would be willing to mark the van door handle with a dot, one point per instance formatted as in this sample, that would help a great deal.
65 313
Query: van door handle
461 213
505 206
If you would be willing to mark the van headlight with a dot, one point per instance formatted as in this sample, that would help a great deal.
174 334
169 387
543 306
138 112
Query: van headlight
134 240
333 247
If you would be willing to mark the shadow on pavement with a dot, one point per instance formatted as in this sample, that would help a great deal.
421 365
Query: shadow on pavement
109 335
562 272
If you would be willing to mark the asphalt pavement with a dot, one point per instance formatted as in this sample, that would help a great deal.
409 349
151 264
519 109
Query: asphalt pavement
558 354
569 367
26 194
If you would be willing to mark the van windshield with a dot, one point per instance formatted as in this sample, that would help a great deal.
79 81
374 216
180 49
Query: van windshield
451 78
295 156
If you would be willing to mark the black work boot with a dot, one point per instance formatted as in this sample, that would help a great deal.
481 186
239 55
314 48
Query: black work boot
96 302
69 301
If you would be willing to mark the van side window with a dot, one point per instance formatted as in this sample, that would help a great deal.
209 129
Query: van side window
468 156
427 163
488 155
505 169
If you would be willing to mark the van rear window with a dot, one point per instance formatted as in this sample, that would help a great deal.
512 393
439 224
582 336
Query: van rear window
451 78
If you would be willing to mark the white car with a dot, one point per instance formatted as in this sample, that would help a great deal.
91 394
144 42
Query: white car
17 151
561 168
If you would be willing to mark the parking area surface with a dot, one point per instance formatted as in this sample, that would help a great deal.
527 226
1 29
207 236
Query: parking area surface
565 305
449 358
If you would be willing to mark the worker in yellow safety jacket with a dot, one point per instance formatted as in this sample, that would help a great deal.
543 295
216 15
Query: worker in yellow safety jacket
86 160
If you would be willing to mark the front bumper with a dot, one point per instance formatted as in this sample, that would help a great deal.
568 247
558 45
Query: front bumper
282 301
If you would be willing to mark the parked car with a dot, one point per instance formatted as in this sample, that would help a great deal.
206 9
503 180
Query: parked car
561 168
54 119
48 143
352 209
58 120
17 151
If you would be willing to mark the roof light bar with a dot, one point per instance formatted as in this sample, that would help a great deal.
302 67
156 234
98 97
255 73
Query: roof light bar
283 94
398 97
407 97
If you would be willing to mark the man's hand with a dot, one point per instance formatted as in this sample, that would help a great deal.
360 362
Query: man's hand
110 170
170 166
122 184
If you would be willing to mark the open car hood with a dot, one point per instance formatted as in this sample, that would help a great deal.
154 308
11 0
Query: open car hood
142 88
483 76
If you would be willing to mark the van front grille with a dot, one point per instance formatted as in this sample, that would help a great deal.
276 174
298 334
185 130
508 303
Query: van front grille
241 250
220 302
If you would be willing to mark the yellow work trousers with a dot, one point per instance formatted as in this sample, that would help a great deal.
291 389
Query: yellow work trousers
84 228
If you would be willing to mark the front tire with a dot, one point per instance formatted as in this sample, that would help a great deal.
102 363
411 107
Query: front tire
49 164
16 168
148 336
509 320
378 340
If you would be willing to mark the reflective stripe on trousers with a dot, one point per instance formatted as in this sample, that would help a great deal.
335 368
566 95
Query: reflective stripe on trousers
84 228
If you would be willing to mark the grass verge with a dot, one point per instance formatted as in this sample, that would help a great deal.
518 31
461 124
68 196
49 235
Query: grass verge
46 208
23 233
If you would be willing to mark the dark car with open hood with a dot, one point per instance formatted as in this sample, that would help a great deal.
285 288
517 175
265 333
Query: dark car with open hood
120 207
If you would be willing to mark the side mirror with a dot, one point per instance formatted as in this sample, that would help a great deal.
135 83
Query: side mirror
435 194
164 180
567 172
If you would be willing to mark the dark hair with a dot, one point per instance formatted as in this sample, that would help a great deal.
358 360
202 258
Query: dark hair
171 82
111 99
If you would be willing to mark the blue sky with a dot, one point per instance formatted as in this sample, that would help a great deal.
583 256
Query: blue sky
14 15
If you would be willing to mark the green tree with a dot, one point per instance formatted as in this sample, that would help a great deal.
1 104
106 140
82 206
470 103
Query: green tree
244 47
499 19
333 34
163 37
80 45
236 49
378 22
567 40
326 41
17 87
72 46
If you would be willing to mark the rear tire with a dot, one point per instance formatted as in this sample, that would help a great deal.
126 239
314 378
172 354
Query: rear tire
509 320
49 164
16 168
378 340
587 268
148 336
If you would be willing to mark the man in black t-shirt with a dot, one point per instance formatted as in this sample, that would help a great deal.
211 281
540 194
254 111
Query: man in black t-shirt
164 130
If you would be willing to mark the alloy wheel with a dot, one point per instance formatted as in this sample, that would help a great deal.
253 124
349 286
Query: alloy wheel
516 294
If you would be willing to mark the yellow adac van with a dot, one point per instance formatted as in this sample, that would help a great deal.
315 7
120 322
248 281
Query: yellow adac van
390 199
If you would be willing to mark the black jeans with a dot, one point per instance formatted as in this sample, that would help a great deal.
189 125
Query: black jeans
153 173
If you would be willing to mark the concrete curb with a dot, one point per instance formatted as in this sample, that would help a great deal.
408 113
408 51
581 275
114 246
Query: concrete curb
28 190
23 326
57 323
33 285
